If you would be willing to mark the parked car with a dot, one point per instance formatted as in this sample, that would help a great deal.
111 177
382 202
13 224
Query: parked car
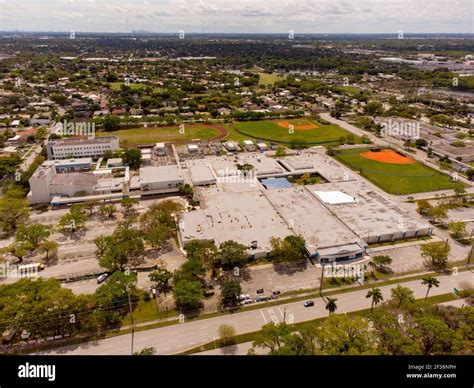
276 292
262 298
153 291
260 291
25 335
246 301
102 278
308 303
242 297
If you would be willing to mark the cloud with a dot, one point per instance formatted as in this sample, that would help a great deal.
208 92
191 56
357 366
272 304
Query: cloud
304 16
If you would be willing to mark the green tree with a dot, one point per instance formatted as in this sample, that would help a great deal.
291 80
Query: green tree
229 291
424 207
226 334
435 336
402 295
188 294
132 158
19 250
376 295
291 248
391 337
112 298
158 236
437 213
124 247
14 211
458 229
128 204
437 254
150 351
429 281
203 251
49 247
382 261
111 123
271 336
340 334
107 211
373 108
90 205
331 305
161 277
231 254
280 152
33 234
72 221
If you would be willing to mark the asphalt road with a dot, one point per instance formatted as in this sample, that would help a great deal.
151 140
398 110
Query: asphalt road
180 337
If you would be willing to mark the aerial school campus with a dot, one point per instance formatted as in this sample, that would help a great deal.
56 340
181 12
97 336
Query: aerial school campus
217 194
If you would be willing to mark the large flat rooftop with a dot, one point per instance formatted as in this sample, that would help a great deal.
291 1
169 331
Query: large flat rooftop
310 219
371 214
244 217
159 174
83 141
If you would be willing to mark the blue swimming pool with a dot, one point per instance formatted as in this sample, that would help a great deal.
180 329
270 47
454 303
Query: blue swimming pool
276 183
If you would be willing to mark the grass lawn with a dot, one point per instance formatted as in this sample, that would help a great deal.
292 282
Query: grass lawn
134 136
146 311
397 179
269 79
118 86
270 130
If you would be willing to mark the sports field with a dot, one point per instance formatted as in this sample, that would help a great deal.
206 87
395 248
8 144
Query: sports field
395 173
136 136
286 131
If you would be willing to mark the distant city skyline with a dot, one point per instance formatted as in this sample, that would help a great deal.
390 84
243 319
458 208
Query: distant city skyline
245 16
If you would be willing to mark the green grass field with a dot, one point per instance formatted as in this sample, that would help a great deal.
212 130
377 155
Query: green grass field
270 130
269 79
398 179
136 136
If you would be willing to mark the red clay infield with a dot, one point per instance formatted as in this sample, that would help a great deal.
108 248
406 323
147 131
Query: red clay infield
286 124
387 156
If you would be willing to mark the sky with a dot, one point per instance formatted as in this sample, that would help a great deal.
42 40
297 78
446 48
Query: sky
240 16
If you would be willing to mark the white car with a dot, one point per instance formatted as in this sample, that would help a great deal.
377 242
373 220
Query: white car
102 278
243 297
25 335
246 301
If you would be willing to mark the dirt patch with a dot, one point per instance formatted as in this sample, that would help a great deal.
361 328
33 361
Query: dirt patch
286 124
387 156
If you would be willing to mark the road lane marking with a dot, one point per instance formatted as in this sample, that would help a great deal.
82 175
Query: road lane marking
263 316
282 315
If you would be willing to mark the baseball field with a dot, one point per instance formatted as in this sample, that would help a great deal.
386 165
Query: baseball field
286 131
395 173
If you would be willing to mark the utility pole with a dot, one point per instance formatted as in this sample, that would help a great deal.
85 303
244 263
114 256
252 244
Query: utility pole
131 317
322 279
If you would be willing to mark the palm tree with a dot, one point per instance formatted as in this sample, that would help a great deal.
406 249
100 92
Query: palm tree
376 296
373 266
429 281
331 305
